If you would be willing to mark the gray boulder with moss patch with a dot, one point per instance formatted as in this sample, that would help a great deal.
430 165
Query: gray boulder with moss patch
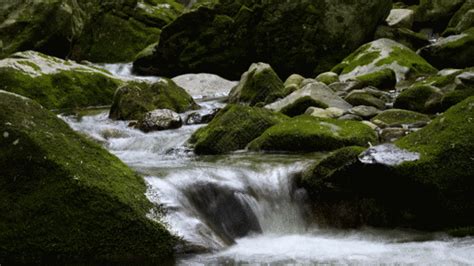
455 51
134 99
436 14
382 187
462 20
305 37
56 83
315 94
373 59
308 134
65 199
233 128
260 84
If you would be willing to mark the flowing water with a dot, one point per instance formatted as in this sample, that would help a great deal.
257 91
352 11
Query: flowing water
243 208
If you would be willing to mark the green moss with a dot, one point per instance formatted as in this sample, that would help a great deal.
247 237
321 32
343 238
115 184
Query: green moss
407 58
384 79
64 198
133 100
425 99
233 128
328 78
64 89
30 64
307 133
397 117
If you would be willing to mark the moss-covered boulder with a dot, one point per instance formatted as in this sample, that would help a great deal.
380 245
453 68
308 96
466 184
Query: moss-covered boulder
233 128
377 56
308 134
423 181
365 97
462 20
455 51
328 78
423 98
398 118
436 14
384 79
100 31
315 94
260 84
134 99
226 39
56 83
64 199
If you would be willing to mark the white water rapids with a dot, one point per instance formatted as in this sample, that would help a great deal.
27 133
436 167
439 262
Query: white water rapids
243 208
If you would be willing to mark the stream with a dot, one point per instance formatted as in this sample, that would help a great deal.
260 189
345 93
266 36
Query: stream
243 208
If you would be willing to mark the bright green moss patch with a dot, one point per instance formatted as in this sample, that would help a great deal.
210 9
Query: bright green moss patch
360 57
307 133
64 198
133 100
233 128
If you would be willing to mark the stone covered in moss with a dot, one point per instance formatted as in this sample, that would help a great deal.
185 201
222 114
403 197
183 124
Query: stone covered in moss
66 199
438 92
100 31
365 97
407 37
455 51
226 39
398 117
462 20
56 83
328 78
424 98
436 13
257 85
134 99
383 54
384 79
308 134
315 94
233 128
379 191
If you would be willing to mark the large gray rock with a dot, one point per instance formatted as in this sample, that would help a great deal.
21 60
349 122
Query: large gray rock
305 37
315 94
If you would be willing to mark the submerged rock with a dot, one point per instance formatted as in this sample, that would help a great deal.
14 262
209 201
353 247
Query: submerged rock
133 100
257 85
308 134
233 128
315 94
305 37
160 119
382 187
65 199
56 83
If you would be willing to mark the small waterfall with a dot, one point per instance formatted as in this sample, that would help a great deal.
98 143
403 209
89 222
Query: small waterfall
243 208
